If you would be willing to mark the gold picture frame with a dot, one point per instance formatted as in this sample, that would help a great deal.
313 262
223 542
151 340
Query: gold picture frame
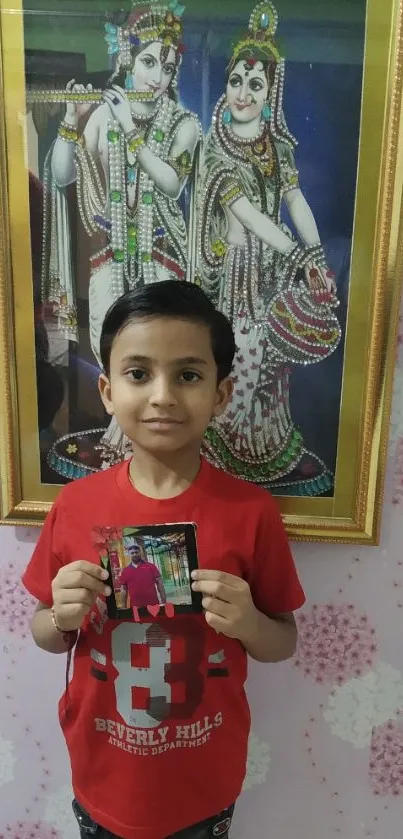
352 513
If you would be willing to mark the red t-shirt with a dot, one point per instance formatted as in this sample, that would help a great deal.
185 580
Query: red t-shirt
140 582
156 718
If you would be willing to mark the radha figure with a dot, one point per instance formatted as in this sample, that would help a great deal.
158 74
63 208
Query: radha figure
278 293
130 167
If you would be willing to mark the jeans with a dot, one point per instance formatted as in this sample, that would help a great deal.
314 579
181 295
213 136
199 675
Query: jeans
216 826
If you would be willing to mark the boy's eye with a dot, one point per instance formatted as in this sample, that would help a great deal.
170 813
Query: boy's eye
190 376
137 375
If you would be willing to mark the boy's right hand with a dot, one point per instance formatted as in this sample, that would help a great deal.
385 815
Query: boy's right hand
75 589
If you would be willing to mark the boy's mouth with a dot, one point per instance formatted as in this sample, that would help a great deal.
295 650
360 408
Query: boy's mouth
161 421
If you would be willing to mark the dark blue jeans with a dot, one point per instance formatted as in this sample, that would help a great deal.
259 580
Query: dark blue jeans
217 826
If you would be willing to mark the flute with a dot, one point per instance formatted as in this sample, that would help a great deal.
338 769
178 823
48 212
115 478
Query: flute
88 97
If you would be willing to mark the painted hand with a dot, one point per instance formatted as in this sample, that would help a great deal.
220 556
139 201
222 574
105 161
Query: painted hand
320 281
228 603
74 111
119 107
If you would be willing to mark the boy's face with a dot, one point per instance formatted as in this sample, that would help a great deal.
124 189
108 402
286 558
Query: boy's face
162 386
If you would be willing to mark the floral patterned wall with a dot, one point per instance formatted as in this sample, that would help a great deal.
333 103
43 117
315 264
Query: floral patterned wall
326 751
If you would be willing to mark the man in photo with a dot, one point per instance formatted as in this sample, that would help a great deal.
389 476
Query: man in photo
141 580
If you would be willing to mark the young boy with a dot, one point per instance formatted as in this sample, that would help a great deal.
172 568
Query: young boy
156 718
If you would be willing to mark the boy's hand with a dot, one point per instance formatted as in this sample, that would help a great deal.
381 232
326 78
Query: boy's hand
74 591
228 603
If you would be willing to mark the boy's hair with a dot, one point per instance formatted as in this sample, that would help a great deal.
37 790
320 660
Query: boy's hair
172 299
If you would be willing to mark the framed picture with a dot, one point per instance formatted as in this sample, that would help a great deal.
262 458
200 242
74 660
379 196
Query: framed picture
254 149
150 569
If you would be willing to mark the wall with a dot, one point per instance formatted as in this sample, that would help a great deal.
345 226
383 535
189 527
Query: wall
326 752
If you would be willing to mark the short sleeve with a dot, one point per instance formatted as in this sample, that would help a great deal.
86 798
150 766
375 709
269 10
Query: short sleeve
289 175
47 558
275 585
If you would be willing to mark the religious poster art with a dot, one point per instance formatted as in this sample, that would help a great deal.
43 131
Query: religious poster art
231 145
149 569
129 150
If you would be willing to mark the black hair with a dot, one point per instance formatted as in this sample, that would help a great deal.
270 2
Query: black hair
172 299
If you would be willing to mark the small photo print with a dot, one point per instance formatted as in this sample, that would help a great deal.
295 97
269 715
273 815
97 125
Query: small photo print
150 569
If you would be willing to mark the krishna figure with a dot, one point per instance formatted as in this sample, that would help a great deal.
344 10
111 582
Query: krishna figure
278 292
130 166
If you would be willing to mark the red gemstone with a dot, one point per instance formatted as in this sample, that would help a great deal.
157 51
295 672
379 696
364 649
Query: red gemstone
313 273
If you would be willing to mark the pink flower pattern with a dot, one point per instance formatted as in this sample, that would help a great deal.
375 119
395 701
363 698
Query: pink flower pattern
335 644
29 830
386 760
16 605
398 473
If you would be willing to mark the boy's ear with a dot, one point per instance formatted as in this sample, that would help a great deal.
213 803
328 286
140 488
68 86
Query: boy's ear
104 387
224 396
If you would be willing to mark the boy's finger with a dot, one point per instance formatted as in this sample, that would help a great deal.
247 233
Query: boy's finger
88 583
91 568
69 596
214 589
215 576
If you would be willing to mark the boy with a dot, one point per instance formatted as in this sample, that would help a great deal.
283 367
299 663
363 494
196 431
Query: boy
155 717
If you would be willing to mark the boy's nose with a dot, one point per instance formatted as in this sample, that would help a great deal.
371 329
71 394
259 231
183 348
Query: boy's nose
162 394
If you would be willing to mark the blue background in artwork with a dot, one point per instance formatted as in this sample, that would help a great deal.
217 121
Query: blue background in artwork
322 103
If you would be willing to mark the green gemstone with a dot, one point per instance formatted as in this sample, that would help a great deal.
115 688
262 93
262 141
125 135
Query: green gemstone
131 240
145 256
113 136
147 198
116 196
118 256
158 135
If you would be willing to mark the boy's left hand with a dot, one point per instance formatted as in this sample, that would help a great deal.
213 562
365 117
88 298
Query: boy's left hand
228 603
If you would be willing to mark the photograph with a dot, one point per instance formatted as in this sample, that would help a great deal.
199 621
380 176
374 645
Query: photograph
149 567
